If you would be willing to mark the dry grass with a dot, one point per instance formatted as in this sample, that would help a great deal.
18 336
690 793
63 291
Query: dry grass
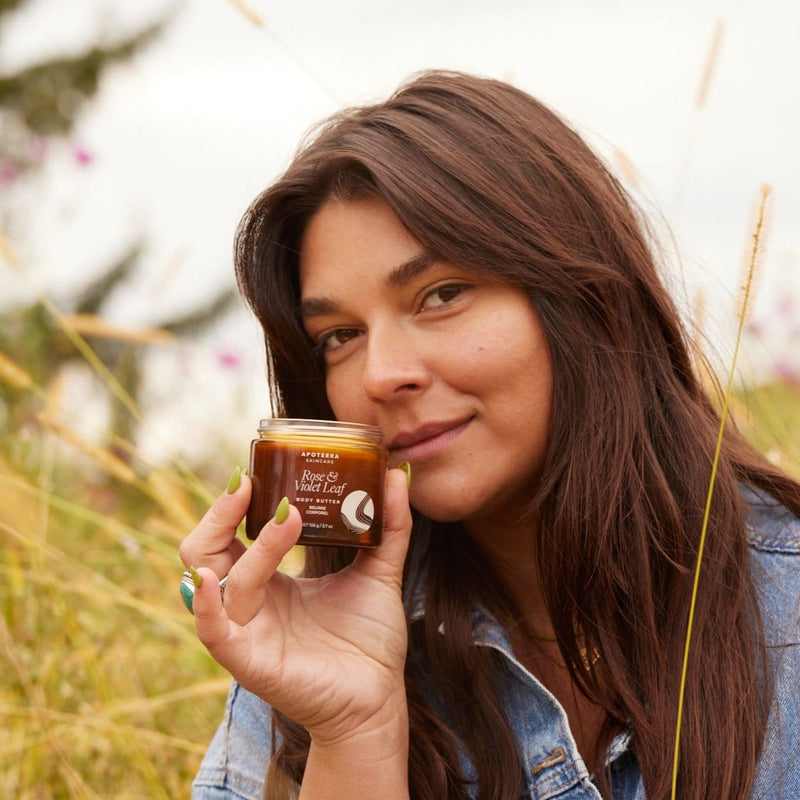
106 691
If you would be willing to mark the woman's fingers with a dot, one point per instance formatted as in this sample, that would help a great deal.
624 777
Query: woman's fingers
222 638
386 561
244 590
213 542
220 626
210 617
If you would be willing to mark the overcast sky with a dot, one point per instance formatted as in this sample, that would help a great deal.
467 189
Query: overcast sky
183 138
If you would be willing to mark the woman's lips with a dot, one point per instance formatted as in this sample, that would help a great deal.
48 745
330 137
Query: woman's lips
427 441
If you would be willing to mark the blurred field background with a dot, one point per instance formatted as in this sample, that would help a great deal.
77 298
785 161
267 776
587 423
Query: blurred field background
131 377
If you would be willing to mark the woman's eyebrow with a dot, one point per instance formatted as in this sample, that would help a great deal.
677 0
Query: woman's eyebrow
399 276
404 273
317 307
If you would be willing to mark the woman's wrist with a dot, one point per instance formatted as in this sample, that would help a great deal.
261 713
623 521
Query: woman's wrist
388 726
370 761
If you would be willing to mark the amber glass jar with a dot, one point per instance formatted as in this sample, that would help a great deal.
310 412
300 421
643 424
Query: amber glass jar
333 472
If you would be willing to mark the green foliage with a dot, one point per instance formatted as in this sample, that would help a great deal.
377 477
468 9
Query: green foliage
769 415
46 98
30 335
7 6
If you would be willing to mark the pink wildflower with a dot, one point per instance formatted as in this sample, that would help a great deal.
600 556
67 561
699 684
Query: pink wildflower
37 149
754 327
83 156
9 171
788 373
228 359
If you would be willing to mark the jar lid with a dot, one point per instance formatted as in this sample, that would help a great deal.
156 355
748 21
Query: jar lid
320 427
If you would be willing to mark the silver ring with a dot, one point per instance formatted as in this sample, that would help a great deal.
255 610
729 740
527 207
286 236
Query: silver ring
187 590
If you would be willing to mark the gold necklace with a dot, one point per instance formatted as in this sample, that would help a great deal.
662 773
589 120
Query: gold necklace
512 624
588 656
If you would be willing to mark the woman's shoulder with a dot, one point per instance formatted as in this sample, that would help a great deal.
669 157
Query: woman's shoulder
772 528
774 539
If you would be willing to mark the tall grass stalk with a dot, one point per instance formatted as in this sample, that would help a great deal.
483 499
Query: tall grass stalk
755 255
69 329
701 98
254 18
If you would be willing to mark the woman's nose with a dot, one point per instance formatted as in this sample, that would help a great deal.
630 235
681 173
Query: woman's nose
394 366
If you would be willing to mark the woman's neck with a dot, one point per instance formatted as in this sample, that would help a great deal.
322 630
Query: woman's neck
509 548
511 552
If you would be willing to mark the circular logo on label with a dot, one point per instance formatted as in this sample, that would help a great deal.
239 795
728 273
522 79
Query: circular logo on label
358 511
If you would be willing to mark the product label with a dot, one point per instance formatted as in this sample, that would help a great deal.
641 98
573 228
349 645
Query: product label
319 458
324 496
338 493
321 482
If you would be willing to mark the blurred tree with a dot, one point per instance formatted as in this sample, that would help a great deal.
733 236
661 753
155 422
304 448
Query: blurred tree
39 103
44 99
30 336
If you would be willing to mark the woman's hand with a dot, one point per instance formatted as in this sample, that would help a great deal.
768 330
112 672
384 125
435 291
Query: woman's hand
327 652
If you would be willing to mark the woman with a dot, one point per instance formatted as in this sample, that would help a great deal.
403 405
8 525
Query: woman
457 267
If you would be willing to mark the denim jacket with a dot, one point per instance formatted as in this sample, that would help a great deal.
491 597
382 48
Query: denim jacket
236 762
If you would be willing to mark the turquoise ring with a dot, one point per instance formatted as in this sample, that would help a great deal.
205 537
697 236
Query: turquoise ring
187 590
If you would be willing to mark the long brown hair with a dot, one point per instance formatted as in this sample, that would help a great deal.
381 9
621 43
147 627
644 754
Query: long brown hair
485 176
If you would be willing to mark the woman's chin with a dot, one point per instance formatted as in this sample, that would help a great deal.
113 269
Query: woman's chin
440 509
440 516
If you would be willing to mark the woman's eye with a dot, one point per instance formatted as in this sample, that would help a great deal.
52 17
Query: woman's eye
335 339
443 295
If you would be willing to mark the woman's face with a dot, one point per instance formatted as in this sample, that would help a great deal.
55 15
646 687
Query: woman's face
453 368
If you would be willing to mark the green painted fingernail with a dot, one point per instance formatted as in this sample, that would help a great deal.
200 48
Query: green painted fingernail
282 511
235 480
197 578
406 467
